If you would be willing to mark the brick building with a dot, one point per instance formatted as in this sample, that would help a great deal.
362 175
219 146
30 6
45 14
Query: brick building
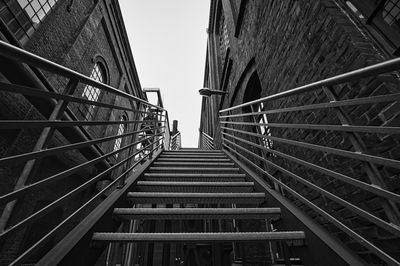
88 37
258 49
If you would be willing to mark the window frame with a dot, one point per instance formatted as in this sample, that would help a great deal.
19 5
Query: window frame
98 73
369 14
25 24
120 131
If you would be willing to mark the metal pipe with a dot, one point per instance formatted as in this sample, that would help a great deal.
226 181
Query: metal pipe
74 215
64 148
44 182
344 178
370 246
17 54
344 128
332 104
379 222
61 200
12 124
374 70
349 154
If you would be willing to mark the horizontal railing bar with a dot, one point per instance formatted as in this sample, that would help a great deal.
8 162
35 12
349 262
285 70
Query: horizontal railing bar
12 124
47 94
344 128
206 135
387 66
349 154
370 246
56 150
61 200
176 135
17 54
366 215
76 214
358 101
210 145
344 178
205 140
44 182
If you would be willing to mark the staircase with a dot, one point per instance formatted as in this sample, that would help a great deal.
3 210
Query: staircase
192 184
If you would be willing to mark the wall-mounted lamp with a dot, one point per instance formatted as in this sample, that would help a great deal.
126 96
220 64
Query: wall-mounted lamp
207 92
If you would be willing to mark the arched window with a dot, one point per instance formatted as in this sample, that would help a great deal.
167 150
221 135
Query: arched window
93 93
23 16
121 130
391 12
36 9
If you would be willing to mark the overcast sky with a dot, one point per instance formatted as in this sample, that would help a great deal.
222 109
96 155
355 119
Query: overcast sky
168 40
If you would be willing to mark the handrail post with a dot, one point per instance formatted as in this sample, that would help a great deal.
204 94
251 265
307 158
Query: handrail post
42 143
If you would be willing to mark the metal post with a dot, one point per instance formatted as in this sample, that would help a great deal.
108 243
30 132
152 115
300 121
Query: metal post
32 166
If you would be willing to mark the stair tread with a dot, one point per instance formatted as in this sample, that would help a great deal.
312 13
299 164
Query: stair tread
195 163
196 197
197 211
198 237
193 175
217 169
197 183
194 194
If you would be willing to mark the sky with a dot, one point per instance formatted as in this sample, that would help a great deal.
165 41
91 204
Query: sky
168 40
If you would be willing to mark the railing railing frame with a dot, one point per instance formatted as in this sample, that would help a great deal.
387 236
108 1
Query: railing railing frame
157 138
206 141
237 142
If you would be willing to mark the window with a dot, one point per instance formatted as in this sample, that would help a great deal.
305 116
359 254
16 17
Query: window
263 129
381 21
223 37
121 130
36 9
23 16
391 11
92 93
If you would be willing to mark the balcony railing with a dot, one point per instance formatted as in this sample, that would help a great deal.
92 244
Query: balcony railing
175 143
330 147
91 172
206 141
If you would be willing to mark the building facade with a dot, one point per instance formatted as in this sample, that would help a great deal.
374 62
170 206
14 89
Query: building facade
259 49
88 37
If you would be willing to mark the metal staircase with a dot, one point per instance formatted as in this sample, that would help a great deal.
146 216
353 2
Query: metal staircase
194 185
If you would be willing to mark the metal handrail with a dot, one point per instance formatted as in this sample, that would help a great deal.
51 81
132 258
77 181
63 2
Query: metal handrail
144 134
384 67
206 141
17 54
295 150
175 143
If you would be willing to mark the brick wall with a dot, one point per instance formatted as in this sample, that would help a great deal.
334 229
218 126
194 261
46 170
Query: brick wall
294 43
73 39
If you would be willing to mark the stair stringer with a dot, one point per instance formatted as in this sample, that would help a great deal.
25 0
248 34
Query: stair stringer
77 248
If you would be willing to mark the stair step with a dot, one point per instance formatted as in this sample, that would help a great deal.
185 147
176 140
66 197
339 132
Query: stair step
206 198
184 159
199 237
197 213
194 163
192 179
194 169
198 156
161 175
195 150
192 153
168 186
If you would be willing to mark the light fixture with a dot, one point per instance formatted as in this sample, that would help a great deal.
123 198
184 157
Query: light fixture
208 92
